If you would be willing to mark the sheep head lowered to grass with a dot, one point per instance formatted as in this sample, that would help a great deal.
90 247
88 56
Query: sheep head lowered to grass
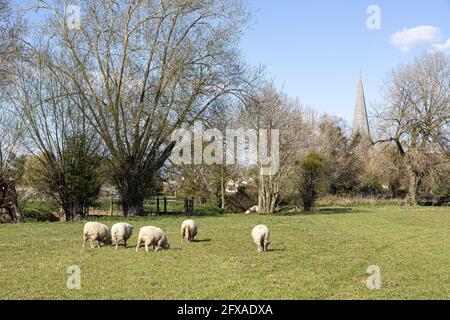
95 231
261 236
152 236
189 229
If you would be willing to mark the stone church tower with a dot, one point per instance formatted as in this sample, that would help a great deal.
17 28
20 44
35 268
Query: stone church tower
360 119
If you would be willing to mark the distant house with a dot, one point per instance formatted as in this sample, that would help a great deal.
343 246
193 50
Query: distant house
233 185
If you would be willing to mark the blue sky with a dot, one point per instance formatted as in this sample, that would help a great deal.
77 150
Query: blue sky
315 49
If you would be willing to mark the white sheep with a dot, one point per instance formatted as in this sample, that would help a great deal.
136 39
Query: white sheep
95 231
121 232
254 209
152 236
189 229
261 236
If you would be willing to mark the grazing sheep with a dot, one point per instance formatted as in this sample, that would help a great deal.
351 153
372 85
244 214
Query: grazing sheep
95 231
121 232
254 209
152 236
261 237
189 229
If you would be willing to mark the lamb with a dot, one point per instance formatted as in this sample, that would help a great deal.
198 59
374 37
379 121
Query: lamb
152 236
121 232
261 237
95 231
189 229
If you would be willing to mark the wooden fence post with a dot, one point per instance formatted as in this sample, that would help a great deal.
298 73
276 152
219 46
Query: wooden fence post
165 205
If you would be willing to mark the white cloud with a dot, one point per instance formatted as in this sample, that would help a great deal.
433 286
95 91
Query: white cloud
442 47
406 39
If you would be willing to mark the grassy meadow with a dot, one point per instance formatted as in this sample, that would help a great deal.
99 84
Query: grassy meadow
323 255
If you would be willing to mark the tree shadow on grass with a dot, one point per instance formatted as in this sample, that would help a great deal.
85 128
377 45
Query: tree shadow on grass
333 211
202 240
150 249
321 211
338 210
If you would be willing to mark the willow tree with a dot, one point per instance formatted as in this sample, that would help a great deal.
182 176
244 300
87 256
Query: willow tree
66 151
11 28
10 134
141 69
417 116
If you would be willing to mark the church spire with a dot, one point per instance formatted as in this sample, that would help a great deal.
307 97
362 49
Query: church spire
360 119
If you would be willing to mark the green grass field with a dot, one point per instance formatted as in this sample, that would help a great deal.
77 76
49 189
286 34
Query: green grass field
318 256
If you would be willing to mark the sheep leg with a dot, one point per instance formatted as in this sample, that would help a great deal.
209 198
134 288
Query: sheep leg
117 244
84 241
125 244
157 248
261 246
138 245
159 244
92 243
146 247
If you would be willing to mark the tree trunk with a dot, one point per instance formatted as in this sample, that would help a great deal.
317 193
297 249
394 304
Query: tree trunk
267 195
73 210
222 187
130 181
9 204
68 211
133 199
413 187
133 205
273 202
261 192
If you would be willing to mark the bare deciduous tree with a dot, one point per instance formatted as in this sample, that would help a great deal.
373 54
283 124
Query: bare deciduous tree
141 69
417 118
271 109
9 138
10 29
60 137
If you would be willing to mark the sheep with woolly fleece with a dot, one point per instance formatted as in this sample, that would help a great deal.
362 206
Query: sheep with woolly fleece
121 232
261 236
189 229
95 231
153 236
254 209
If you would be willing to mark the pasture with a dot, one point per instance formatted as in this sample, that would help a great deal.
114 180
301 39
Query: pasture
323 255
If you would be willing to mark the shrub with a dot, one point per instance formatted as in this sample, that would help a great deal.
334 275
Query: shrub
311 166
